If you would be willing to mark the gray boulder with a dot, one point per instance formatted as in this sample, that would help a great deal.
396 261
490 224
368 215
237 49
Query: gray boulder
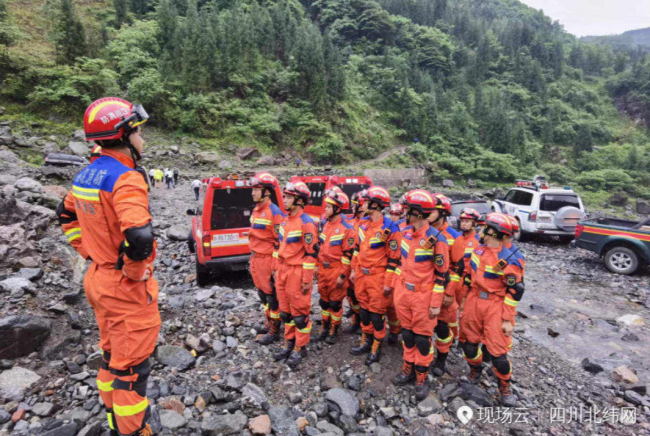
79 148
178 233
172 420
15 284
174 356
29 185
255 395
343 400
15 381
208 157
224 424
22 334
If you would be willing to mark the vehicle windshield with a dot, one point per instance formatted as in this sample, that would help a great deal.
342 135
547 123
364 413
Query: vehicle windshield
317 191
555 202
353 188
231 208
480 206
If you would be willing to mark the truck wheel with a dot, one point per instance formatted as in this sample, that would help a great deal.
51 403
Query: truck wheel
622 260
520 236
566 239
191 243
202 274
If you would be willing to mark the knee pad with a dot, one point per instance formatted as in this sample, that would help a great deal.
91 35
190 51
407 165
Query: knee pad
325 305
301 321
335 306
143 370
409 338
377 320
262 296
272 301
470 350
285 317
365 316
423 343
502 364
442 330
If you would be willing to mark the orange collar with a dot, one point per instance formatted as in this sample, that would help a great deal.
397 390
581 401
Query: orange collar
260 206
124 159
422 231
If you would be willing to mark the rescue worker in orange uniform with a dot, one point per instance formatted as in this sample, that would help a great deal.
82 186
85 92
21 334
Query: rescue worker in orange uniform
448 318
465 243
294 272
336 241
377 259
106 219
488 312
264 244
420 288
396 213
359 209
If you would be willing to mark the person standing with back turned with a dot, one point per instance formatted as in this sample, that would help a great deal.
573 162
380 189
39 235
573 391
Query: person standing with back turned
106 219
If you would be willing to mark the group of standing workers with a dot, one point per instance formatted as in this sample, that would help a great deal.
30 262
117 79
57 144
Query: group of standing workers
415 271
167 176
407 273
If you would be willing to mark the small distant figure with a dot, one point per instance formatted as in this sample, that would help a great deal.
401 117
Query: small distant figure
169 178
152 176
298 162
159 177
196 187
176 172
416 140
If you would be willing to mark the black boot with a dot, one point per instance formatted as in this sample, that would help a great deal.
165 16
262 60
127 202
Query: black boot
421 382
273 334
475 373
296 357
355 326
286 351
438 368
506 396
374 352
331 337
324 330
406 376
363 347
261 329
393 338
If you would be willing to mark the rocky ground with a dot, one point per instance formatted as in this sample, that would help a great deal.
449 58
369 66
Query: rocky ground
581 356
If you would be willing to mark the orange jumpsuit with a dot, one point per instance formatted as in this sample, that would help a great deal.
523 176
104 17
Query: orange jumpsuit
489 304
296 263
420 286
107 198
263 242
337 242
377 259
352 298
466 243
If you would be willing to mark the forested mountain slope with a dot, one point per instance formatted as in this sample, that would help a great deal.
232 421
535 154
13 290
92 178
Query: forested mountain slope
491 89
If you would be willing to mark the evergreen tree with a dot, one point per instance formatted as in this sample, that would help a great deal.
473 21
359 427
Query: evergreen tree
5 29
69 34
335 73
584 141
121 12
140 7
309 63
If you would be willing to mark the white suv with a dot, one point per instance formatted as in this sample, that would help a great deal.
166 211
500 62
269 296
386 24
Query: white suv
541 210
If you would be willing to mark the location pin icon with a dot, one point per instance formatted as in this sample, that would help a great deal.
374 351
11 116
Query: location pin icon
465 414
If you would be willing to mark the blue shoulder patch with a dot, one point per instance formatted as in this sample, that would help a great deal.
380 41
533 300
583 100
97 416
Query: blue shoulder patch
438 235
453 232
346 224
275 210
306 219
390 224
101 174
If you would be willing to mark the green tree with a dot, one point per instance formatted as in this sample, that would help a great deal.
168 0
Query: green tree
140 7
69 34
309 63
121 12
6 30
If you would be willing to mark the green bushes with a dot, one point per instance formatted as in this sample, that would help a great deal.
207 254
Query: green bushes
610 179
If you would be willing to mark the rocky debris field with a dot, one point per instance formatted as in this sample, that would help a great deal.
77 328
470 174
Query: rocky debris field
581 356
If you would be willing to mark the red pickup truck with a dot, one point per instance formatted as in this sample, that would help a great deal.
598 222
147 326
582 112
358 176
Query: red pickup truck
220 227
318 185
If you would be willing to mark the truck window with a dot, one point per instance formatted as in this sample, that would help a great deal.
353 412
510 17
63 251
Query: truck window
555 202
317 193
353 188
231 208
510 196
522 198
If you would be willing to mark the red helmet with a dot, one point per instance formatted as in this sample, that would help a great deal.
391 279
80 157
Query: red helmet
469 214
443 203
359 198
95 153
500 223
396 209
421 201
514 223
264 180
481 220
378 195
112 118
337 198
298 189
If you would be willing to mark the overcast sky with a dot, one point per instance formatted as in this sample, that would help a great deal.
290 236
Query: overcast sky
596 17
